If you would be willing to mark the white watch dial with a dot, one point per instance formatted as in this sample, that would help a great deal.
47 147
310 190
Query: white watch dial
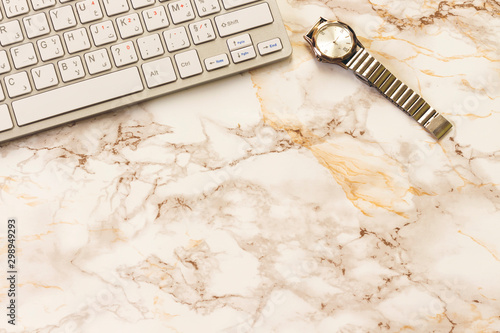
334 41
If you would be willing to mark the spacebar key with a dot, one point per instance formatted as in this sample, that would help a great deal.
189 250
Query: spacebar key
77 96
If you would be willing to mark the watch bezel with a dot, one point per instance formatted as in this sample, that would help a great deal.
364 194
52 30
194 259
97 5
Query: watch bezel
311 37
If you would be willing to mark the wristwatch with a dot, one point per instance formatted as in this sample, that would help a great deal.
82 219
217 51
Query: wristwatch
335 42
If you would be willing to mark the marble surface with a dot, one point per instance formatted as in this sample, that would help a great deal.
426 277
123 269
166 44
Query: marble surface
290 199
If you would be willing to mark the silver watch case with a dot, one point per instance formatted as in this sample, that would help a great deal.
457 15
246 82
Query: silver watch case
310 37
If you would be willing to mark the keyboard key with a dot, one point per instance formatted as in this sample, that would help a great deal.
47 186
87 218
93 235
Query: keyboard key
70 98
2 95
129 25
243 19
89 11
181 11
62 18
216 62
150 46
4 62
5 120
77 40
98 61
10 33
23 55
188 63
124 54
15 7
202 31
243 54
176 39
50 48
142 3
239 42
44 76
17 84
155 18
207 7
159 72
269 46
71 69
41 4
103 33
115 7
228 4
36 25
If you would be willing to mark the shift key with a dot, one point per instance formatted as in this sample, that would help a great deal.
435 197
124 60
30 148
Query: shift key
243 19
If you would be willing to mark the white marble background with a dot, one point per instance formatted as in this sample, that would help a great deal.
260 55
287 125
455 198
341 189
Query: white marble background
290 199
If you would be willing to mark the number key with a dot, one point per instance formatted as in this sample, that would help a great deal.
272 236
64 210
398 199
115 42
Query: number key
155 18
103 33
124 54
181 11
89 10
129 25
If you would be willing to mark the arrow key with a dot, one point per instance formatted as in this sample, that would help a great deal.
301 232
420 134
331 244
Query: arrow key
239 42
244 54
270 46
216 62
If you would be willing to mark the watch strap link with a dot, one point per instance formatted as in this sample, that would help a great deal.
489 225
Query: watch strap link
375 74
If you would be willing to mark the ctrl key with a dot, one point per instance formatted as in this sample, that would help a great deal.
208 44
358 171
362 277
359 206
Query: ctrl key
5 119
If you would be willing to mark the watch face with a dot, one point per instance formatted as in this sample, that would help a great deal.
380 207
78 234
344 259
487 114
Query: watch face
334 41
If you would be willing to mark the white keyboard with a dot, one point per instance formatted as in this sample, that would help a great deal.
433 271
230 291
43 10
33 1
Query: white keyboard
63 60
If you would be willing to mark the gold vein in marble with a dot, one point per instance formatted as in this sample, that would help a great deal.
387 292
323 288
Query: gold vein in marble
355 176
478 242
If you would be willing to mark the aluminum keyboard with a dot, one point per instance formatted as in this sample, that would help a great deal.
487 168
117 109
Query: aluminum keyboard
64 60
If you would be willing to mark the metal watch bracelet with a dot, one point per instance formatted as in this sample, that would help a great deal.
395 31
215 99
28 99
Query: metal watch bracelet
371 71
